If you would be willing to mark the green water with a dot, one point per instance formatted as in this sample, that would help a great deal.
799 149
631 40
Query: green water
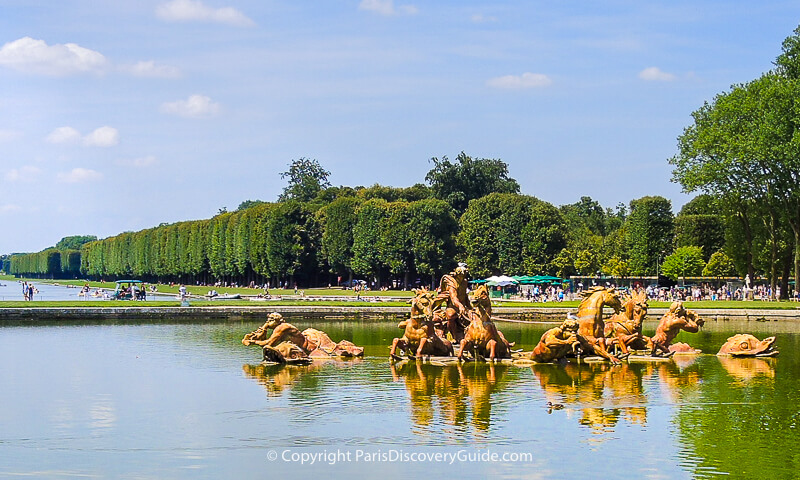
187 400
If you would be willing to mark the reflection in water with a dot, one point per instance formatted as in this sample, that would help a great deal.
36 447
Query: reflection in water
602 393
175 400
277 378
680 379
744 370
460 393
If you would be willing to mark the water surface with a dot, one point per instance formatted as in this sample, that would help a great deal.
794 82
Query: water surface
187 400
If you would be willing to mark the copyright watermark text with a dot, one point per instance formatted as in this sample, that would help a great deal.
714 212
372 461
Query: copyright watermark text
332 457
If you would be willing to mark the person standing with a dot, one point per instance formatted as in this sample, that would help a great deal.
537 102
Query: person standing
30 291
25 291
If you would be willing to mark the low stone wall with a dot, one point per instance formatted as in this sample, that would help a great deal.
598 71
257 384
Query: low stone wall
258 313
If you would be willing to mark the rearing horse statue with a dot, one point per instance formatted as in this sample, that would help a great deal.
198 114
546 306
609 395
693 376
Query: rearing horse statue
624 329
419 334
590 320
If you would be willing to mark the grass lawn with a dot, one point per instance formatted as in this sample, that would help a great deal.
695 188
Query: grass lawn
200 291
192 303
331 292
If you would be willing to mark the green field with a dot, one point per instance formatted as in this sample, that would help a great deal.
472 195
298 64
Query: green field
348 298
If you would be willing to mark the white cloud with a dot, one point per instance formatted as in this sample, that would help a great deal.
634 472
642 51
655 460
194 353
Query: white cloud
35 56
64 135
526 80
79 175
102 137
479 18
8 135
151 69
386 7
196 106
196 11
23 174
654 74
140 162
9 208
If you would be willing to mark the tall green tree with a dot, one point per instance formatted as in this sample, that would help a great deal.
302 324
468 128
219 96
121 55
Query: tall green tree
649 233
744 146
306 179
511 234
706 231
432 229
338 219
367 255
467 178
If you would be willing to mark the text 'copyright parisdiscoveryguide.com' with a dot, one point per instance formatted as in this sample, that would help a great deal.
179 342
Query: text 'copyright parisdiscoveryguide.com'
334 456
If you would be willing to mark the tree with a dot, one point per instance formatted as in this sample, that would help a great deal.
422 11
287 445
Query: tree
702 204
707 231
586 262
292 241
306 178
248 204
564 263
588 213
74 242
432 230
338 219
468 179
649 233
512 234
543 238
719 265
685 262
744 147
367 259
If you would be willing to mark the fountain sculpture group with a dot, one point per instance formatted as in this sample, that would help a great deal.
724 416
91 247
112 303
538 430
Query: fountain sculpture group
447 324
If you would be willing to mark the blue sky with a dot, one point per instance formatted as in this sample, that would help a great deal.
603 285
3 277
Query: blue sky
118 116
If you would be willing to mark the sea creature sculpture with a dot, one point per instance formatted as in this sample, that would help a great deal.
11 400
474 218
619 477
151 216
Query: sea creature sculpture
285 352
682 347
281 332
311 342
746 345
419 335
325 347
590 320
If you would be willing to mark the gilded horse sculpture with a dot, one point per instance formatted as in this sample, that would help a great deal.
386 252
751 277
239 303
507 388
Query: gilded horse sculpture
624 329
590 320
482 335
419 334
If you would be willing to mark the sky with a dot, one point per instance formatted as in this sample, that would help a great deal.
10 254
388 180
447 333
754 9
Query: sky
119 116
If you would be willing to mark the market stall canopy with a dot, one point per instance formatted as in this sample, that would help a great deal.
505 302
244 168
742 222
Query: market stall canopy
500 281
538 280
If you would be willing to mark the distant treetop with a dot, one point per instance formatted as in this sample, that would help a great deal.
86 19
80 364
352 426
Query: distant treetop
306 178
468 178
74 242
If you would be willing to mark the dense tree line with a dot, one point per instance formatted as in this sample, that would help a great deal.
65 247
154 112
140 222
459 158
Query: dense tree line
61 261
316 234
